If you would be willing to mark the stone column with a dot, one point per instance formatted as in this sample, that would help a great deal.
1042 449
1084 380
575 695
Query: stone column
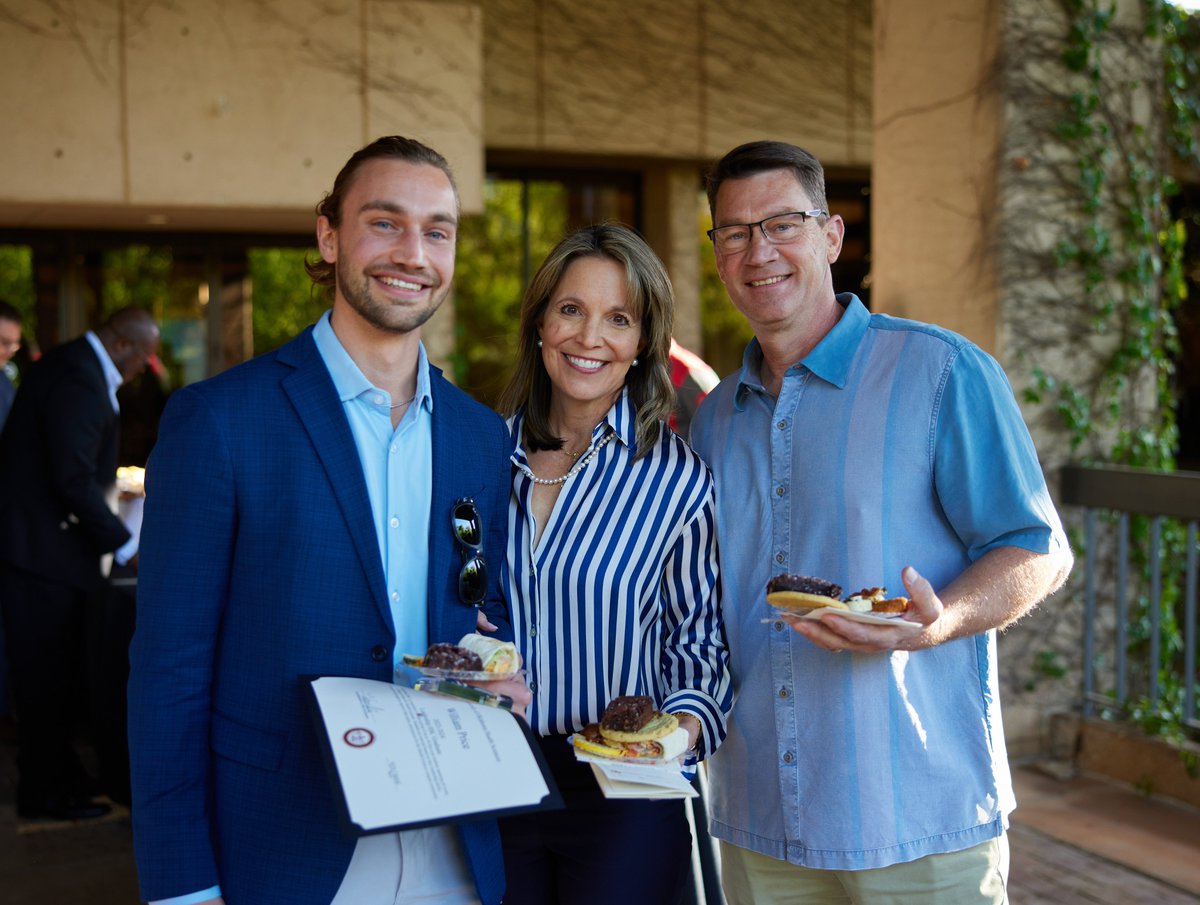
672 227
938 127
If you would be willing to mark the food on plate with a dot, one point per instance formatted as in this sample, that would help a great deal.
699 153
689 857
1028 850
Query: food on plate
876 600
865 599
131 480
630 727
499 657
801 593
474 653
626 714
451 656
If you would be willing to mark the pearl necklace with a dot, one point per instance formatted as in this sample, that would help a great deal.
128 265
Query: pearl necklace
575 469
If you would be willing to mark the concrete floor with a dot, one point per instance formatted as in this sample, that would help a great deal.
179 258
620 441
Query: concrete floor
1078 840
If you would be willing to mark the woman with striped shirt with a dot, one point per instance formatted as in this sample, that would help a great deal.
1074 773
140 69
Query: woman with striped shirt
612 564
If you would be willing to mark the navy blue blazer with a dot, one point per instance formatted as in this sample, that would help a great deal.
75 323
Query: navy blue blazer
260 565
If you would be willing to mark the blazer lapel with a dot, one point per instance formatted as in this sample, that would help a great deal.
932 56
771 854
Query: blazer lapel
312 393
443 554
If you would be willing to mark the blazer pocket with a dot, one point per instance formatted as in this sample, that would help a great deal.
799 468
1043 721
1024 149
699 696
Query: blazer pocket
246 744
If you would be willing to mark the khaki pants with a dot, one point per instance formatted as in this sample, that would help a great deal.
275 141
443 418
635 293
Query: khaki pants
974 876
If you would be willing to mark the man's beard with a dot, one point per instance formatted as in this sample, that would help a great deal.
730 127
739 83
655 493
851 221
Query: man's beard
384 316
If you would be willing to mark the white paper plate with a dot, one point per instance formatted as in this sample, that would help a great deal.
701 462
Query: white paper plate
894 619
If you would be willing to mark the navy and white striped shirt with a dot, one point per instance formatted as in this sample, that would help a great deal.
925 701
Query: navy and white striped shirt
620 595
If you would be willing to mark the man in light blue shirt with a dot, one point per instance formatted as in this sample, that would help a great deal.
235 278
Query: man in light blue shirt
864 762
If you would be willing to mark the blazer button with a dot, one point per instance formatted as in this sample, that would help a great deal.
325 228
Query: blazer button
378 653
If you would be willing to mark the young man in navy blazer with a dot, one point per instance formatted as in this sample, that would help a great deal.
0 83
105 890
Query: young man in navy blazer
298 522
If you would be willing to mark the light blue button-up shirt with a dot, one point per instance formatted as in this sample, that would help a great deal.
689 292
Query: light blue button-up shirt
398 466
113 378
892 443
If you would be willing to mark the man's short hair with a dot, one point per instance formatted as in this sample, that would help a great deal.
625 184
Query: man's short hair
9 312
389 147
757 157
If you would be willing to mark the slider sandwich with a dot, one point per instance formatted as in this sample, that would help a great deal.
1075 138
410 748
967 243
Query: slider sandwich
631 728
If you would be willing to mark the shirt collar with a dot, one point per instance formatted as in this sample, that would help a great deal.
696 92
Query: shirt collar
348 379
830 359
111 375
620 420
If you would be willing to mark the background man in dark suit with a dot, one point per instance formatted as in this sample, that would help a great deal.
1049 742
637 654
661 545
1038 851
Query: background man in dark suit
298 522
58 462
10 342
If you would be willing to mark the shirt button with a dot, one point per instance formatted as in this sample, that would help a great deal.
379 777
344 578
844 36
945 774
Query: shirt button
779 626
783 692
779 491
788 757
779 557
378 653
395 522
533 571
782 425
533 686
395 447
395 596
533 631
379 400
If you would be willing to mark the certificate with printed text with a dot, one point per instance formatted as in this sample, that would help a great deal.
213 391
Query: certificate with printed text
402 759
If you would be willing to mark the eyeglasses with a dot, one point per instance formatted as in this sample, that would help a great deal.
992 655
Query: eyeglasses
781 229
468 531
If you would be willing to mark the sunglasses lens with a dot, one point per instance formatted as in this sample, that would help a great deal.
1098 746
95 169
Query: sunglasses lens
466 524
472 580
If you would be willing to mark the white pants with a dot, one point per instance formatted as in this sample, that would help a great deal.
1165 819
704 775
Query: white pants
414 866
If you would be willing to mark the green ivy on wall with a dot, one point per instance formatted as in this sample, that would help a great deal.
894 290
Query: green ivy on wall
1126 251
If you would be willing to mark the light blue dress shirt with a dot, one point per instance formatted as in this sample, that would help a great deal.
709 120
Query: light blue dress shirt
398 467
113 378
892 443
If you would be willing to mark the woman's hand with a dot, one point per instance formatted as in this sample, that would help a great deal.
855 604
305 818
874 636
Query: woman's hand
516 688
692 725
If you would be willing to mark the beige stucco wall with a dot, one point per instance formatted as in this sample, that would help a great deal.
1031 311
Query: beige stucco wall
227 116
938 128
679 78
224 115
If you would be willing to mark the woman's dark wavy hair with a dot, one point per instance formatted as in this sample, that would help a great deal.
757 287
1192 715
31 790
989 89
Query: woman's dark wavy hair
757 157
652 302
390 147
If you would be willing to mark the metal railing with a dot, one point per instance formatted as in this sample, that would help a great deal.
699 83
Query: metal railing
1136 525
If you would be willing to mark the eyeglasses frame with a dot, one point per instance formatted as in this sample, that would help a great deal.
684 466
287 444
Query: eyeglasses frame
803 215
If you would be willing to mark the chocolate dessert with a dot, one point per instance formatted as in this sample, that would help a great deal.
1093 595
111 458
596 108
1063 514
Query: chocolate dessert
451 656
805 584
628 713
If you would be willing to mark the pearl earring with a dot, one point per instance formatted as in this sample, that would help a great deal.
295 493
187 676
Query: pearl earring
634 363
539 343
